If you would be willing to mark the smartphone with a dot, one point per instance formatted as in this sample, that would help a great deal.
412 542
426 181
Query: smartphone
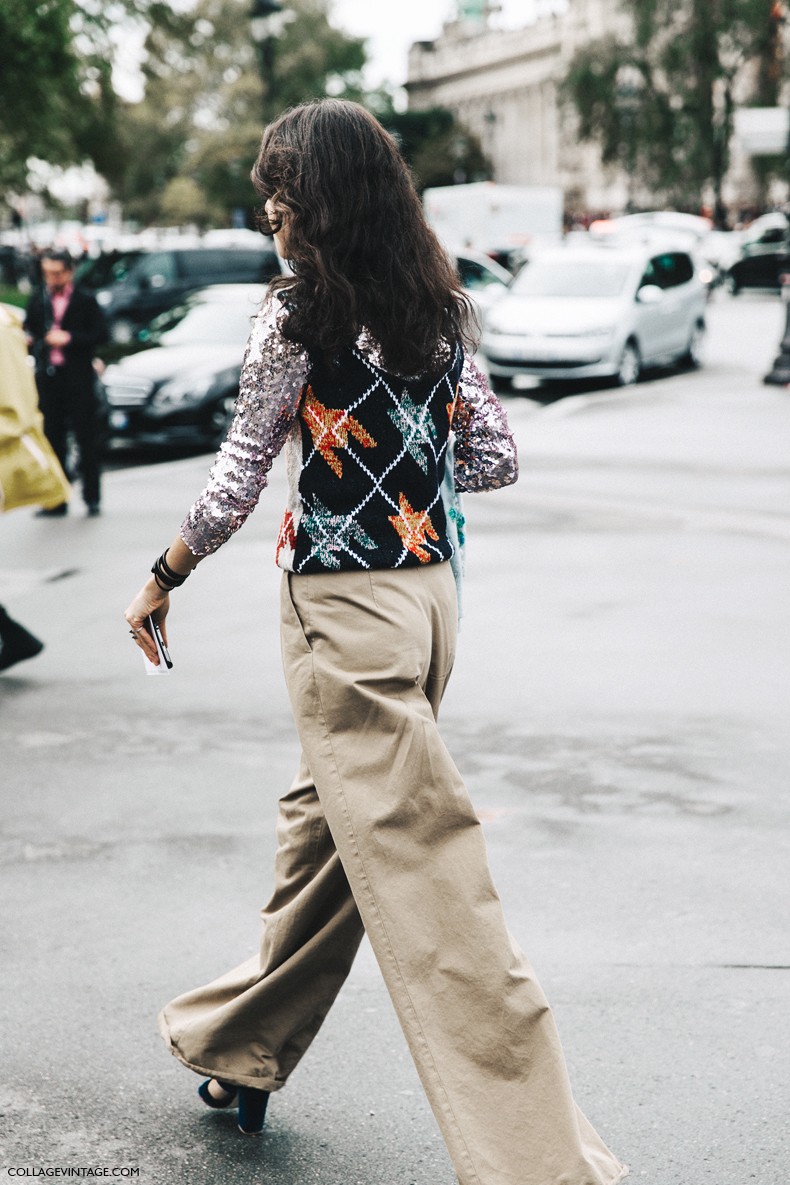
165 661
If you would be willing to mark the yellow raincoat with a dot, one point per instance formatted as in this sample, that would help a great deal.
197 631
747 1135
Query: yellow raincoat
30 474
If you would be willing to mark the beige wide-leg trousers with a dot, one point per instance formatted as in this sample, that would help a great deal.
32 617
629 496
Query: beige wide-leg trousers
378 830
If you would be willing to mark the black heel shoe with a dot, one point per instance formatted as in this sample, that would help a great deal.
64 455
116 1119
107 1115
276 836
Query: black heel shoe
252 1110
208 1098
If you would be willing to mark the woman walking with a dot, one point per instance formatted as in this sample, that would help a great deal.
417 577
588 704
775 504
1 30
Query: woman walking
357 366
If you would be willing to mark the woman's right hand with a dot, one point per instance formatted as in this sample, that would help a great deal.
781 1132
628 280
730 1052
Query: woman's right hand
152 601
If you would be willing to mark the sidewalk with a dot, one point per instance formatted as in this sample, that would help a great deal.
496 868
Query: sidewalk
619 711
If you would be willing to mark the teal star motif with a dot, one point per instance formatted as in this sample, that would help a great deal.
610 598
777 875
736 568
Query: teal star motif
416 427
331 533
456 514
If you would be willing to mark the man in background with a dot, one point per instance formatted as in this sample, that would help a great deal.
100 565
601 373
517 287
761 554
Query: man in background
65 327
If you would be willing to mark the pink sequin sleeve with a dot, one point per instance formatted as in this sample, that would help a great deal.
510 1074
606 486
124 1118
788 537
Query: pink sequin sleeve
273 375
485 452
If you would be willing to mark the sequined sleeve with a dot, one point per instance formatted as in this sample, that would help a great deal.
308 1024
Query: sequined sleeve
485 452
272 377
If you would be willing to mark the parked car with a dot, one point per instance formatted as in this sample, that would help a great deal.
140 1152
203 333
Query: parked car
714 249
482 278
101 271
134 286
764 255
596 312
179 379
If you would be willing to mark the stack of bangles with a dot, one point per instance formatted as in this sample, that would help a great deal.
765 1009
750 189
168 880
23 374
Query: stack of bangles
164 575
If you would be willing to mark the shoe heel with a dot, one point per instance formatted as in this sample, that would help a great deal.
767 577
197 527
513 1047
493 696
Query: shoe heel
208 1098
252 1110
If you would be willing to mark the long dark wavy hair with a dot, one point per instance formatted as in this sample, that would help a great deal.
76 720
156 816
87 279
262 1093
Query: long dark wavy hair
362 253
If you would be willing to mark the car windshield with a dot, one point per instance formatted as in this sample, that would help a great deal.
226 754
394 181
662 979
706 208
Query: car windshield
583 278
105 269
214 322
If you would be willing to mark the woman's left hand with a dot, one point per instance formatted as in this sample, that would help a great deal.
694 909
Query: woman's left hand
150 601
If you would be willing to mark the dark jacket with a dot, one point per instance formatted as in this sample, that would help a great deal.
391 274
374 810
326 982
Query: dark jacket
85 322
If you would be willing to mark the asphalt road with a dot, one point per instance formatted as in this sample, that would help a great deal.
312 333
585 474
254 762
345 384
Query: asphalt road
619 710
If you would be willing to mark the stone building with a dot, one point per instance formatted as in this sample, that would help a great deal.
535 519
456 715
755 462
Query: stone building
502 84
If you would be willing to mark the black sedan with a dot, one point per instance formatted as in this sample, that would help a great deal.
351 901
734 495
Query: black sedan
178 380
764 257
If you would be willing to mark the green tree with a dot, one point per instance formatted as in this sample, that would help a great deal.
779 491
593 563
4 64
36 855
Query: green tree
439 149
311 58
56 96
183 201
40 85
661 103
206 101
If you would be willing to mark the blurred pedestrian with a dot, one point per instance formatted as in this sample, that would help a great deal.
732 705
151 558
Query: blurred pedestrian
360 365
66 326
30 474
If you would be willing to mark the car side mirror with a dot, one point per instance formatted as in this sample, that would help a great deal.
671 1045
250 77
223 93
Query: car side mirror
650 294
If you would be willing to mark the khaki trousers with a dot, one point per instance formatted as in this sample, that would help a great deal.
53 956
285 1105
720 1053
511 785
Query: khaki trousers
378 831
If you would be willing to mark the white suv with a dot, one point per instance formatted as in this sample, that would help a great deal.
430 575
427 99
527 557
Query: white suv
597 312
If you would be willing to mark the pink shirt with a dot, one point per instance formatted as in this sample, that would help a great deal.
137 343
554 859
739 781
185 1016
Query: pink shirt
60 302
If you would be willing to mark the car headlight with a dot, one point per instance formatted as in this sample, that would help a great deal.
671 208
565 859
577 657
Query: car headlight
177 392
193 387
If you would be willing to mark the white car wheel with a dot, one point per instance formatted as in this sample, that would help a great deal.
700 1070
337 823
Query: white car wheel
629 367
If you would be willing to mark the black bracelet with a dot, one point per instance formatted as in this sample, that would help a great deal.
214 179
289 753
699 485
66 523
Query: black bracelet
176 577
164 575
161 580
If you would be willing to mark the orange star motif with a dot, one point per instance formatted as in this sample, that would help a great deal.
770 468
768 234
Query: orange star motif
412 526
286 539
451 406
330 428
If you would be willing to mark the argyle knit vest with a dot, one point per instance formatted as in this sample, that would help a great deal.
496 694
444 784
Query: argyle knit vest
366 460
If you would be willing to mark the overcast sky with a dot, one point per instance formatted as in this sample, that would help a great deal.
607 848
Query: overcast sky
391 27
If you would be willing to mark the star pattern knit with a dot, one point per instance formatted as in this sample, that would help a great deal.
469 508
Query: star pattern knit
366 454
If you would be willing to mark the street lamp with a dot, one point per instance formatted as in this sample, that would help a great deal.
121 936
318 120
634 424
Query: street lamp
267 21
